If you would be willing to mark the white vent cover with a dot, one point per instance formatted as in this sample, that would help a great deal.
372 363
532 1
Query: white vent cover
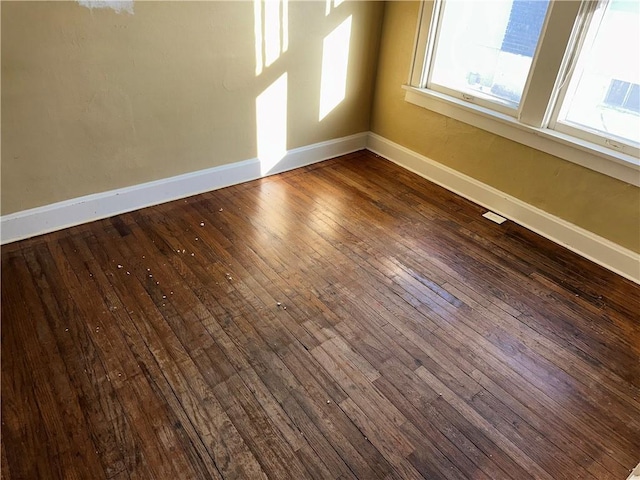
494 217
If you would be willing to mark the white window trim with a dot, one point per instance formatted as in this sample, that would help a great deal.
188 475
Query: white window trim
604 160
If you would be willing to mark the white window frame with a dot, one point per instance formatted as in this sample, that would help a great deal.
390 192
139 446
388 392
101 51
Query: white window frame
580 37
528 124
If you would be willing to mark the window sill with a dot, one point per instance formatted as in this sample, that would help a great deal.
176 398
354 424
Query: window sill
595 157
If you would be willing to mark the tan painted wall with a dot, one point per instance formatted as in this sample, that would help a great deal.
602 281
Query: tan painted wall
93 100
598 203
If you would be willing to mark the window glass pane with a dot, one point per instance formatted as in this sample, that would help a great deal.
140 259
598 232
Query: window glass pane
632 102
617 93
603 96
485 48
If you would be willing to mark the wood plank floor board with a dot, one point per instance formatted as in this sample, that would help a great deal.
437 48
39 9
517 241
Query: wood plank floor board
461 453
102 412
19 400
468 262
571 267
572 364
319 403
476 237
258 431
464 384
196 411
418 340
467 388
151 392
545 370
63 436
197 370
464 350
633 367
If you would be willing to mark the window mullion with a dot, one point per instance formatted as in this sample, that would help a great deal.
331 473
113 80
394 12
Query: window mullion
548 61
422 44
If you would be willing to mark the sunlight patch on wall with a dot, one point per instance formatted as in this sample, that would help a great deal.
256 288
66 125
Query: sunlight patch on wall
335 62
271 124
327 6
271 30
257 31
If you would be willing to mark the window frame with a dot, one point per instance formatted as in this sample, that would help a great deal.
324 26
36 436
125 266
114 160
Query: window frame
530 123
427 75
590 10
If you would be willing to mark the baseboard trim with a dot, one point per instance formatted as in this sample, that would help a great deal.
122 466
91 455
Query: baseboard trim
583 242
76 211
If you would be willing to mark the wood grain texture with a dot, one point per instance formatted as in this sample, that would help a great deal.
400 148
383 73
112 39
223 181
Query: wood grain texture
343 320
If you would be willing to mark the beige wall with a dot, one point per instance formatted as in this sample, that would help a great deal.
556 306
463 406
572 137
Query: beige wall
93 100
598 203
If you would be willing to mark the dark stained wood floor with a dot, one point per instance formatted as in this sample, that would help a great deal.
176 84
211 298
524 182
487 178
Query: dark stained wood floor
345 320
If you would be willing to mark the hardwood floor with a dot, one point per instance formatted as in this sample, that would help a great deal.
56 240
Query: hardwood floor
344 320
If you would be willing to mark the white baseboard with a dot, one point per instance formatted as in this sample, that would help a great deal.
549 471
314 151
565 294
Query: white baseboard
49 218
583 242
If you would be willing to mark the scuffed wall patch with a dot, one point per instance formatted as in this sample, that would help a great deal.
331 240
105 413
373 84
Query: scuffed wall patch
117 6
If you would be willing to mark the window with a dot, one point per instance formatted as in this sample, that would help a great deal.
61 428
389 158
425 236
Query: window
561 76
601 98
486 48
